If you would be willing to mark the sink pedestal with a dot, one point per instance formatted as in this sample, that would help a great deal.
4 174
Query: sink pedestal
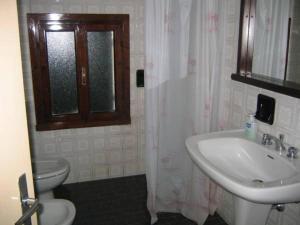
249 213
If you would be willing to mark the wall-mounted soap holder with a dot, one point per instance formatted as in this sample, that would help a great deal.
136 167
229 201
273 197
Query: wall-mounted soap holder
265 109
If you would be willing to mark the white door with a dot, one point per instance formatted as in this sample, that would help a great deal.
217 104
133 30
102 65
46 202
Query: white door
14 144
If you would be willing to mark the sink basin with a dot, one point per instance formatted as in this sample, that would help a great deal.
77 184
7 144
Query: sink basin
245 168
245 160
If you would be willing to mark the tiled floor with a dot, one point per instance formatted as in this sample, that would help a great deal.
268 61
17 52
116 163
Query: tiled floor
118 201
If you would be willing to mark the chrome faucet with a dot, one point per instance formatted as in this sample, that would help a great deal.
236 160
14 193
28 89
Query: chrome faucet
292 152
268 138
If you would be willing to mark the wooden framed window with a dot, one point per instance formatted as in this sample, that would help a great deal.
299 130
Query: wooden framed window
80 69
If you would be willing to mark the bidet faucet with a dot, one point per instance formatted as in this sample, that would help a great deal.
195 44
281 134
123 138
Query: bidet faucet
268 138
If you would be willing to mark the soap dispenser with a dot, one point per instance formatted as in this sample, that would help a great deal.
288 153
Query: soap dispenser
251 128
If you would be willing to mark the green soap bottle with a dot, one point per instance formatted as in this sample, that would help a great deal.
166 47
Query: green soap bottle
251 128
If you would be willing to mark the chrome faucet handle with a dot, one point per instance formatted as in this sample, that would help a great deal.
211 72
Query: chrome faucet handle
292 152
266 140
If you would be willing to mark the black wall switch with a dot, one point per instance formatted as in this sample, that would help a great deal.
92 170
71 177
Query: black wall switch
140 78
265 109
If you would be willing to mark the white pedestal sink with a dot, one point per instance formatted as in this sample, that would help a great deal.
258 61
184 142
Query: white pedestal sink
257 176
249 213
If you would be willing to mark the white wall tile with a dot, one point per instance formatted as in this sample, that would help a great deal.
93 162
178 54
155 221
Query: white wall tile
85 174
50 148
129 156
264 128
73 8
114 143
101 172
130 168
297 144
141 167
237 119
93 9
55 8
238 97
99 143
285 115
112 9
84 160
100 157
116 171
251 102
83 145
297 117
130 141
66 147
97 131
115 156
113 130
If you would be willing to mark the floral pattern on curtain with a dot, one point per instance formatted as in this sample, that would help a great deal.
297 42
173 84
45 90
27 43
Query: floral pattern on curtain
184 59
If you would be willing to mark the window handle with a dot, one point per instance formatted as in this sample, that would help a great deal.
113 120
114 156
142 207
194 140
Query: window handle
83 76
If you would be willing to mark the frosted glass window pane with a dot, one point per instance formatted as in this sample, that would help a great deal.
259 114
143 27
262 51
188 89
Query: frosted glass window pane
62 72
101 71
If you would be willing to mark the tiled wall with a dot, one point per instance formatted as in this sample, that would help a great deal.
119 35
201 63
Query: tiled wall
100 152
238 100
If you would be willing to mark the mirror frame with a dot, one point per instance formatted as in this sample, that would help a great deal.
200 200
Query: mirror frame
245 57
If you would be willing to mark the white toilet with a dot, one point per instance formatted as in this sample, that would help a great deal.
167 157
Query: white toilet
56 212
48 174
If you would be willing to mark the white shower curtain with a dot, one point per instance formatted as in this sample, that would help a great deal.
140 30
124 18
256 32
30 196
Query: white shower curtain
270 39
184 54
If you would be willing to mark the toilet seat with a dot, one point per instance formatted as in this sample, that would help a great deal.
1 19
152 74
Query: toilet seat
46 168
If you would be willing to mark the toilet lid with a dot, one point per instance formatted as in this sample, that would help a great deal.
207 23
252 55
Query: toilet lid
45 168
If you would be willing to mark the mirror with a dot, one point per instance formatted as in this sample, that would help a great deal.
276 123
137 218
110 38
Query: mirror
269 45
276 37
